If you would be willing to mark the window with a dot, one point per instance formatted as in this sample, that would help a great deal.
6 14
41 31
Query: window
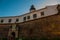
9 20
1 21
17 20
42 13
24 18
28 17
34 16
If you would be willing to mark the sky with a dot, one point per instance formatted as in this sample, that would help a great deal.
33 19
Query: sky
20 7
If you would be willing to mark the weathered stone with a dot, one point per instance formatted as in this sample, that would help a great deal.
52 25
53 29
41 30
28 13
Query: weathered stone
48 27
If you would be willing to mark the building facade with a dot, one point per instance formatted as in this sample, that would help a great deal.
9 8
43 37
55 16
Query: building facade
36 24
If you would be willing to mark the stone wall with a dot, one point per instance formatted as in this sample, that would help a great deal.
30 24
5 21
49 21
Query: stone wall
44 27
47 27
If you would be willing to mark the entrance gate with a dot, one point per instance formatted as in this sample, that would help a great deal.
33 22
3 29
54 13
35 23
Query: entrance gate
13 32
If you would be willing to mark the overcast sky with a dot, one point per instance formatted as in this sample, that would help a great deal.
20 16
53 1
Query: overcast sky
19 7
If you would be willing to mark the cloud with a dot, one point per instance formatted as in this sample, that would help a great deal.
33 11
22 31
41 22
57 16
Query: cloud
58 1
51 2
47 3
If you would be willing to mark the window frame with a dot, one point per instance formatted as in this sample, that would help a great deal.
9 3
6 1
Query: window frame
42 13
24 18
10 20
2 21
17 20
34 15
28 17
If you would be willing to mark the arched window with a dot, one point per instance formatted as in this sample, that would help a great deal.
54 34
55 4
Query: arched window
2 21
17 20
24 18
9 20
34 15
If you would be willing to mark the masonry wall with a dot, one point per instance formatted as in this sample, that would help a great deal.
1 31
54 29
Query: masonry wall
48 27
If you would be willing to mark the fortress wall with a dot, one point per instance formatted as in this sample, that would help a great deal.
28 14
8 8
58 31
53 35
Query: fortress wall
47 27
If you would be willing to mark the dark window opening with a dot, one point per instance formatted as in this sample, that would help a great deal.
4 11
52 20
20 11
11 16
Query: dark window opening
17 20
42 13
24 18
34 16
1 21
28 17
13 34
9 20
